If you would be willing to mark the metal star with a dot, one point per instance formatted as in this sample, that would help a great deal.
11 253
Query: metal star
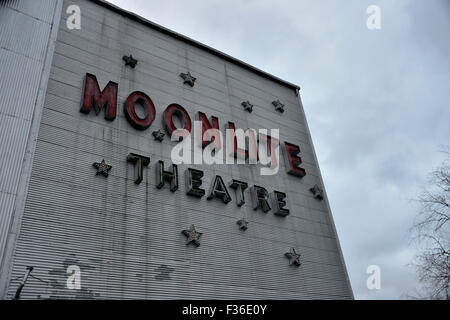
278 106
317 192
247 106
294 257
188 78
102 168
243 224
192 235
130 61
164 272
158 135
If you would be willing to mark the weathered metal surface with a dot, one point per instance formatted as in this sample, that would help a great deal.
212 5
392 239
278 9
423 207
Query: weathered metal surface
26 50
196 44
124 236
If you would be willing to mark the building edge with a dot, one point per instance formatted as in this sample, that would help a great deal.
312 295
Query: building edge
341 255
13 231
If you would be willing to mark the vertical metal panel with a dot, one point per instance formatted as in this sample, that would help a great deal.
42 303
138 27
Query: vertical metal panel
23 34
122 234
19 84
25 28
41 10
12 146
7 205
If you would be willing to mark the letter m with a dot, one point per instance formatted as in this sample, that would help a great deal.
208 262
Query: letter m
94 99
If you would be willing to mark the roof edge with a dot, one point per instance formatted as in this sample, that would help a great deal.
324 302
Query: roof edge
195 43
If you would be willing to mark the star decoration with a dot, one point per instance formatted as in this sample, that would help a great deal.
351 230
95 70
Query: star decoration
317 192
192 235
102 168
158 135
130 61
294 257
164 272
278 106
243 224
188 78
247 106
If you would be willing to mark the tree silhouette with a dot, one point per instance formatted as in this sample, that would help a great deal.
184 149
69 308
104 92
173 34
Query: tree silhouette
432 232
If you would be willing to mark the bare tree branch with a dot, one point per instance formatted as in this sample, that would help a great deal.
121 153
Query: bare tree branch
432 230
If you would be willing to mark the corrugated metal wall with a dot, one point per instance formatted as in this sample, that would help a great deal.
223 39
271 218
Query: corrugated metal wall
124 236
25 32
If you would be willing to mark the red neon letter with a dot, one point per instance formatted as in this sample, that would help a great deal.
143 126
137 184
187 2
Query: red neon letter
206 125
243 153
271 144
130 110
293 160
94 99
176 109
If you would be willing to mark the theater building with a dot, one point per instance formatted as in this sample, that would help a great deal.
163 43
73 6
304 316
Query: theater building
93 204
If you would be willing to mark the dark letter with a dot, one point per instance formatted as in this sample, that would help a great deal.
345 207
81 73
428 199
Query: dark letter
219 190
162 176
240 187
260 198
279 204
141 162
193 182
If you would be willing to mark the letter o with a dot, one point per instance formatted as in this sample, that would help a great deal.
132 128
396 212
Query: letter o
176 110
130 110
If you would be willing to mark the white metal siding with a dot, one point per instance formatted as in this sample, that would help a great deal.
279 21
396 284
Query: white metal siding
120 233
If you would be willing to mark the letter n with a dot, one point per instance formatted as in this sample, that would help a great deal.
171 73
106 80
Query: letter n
206 125
94 99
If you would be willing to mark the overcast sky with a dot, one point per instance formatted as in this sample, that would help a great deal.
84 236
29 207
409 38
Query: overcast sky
377 103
